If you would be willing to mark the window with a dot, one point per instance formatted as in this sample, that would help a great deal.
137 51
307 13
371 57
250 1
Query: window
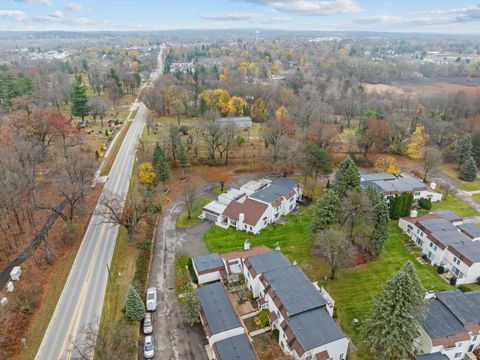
417 193
457 272
419 241
342 357
474 338
457 355
456 260
433 246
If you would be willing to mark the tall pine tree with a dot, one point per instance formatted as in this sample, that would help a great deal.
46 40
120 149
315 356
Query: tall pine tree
464 149
348 161
381 219
158 155
325 212
468 170
392 324
134 306
350 179
163 171
79 99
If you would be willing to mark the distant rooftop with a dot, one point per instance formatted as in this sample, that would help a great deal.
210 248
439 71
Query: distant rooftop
448 215
272 192
268 261
217 308
207 262
388 183
235 348
471 230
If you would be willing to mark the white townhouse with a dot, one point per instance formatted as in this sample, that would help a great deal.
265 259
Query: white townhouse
296 307
391 185
255 205
451 329
446 241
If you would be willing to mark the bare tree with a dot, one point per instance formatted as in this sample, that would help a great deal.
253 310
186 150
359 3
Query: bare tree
333 245
432 159
272 136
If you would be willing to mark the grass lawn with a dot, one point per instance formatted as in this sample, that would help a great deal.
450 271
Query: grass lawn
218 190
42 318
182 277
451 170
454 204
476 197
354 287
198 204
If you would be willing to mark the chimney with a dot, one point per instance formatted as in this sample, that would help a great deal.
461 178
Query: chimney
241 218
413 213
246 245
433 186
277 248
294 263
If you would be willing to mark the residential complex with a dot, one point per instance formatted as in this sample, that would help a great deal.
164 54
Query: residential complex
446 241
298 309
451 329
394 184
255 205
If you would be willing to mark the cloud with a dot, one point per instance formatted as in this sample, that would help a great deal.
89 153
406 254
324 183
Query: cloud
426 18
74 6
58 17
40 2
57 14
16 15
231 16
311 7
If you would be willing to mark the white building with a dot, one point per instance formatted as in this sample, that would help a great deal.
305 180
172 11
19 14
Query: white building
208 268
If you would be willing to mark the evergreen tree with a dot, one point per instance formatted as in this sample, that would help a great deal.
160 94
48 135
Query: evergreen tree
350 180
325 212
476 146
134 306
464 149
468 170
163 172
348 161
191 305
392 324
79 99
158 155
381 219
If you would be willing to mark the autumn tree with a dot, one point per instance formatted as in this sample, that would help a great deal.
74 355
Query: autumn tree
387 164
333 245
355 214
237 106
182 159
431 161
146 173
373 136
219 175
272 136
417 143
259 111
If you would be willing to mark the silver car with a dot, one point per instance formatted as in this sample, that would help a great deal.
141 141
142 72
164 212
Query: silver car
148 348
147 324
151 299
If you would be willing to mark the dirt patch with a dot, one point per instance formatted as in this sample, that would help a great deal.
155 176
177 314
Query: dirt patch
383 88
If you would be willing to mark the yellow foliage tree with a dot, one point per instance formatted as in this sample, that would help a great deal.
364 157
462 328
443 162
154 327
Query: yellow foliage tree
281 113
217 99
387 164
224 75
236 106
146 173
417 143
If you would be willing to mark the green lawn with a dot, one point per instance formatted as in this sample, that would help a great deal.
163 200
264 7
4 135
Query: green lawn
181 272
354 287
451 170
198 204
454 204
218 190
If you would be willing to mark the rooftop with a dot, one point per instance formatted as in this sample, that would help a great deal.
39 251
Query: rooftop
215 207
326 330
389 183
257 250
217 309
439 321
286 182
471 230
207 262
434 356
468 248
271 192
448 215
464 306
252 210
294 289
235 348
268 261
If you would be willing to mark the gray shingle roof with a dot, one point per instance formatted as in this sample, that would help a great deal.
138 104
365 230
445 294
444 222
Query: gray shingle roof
235 348
443 230
468 248
440 322
314 328
207 262
271 193
465 308
217 308
471 230
268 261
285 182
447 214
294 290
376 177
434 356
393 184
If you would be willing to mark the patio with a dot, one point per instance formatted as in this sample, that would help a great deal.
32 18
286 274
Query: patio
240 307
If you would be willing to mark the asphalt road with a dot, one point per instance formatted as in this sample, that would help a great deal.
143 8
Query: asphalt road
80 304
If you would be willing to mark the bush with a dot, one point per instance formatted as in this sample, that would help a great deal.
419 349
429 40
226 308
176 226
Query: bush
478 280
276 334
464 288
261 320
425 204
440 270
453 281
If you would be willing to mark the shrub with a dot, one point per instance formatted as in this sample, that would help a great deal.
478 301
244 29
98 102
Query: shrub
276 334
464 288
453 281
425 204
440 270
134 306
478 280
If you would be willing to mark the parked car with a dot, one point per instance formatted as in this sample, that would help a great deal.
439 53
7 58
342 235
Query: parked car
148 324
148 348
151 299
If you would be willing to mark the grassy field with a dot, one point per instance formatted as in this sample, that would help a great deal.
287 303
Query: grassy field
454 204
354 287
198 204
107 166
451 170
182 276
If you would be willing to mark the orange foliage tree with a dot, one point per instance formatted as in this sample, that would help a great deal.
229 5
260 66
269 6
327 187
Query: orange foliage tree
219 175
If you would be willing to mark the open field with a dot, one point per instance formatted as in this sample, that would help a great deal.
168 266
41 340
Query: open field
354 287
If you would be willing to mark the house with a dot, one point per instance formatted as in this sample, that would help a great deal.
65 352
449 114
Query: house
452 325
183 68
447 242
234 348
255 205
234 260
394 184
296 308
217 315
208 268
239 122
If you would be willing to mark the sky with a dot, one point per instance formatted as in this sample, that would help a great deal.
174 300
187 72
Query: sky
432 16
